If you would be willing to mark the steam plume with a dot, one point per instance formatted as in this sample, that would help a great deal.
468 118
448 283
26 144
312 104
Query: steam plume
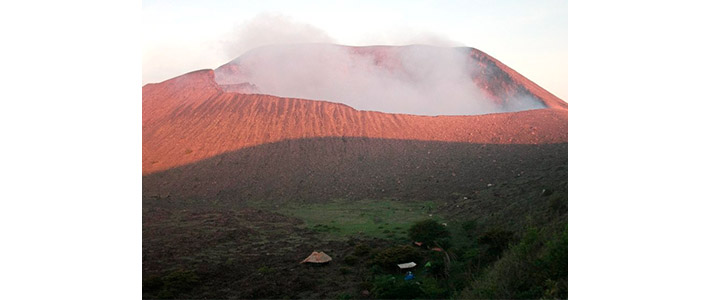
269 29
422 80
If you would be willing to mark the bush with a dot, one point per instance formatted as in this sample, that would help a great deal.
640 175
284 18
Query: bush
438 266
471 255
390 257
431 289
496 241
429 232
554 266
534 268
391 287
469 228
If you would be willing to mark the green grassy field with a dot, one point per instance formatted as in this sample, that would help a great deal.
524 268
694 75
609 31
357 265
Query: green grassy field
380 218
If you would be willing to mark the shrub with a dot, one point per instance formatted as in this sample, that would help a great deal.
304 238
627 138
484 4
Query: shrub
390 257
469 227
553 263
471 255
391 287
428 232
438 266
496 241
431 289
534 268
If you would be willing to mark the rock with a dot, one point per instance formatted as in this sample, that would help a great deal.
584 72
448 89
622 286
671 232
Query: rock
546 192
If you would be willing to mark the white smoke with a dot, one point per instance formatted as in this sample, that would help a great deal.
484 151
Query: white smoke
289 58
421 80
408 36
270 29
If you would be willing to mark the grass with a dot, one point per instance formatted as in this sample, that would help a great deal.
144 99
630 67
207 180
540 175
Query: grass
193 251
380 218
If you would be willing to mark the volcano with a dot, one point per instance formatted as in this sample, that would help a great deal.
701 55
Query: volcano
291 150
321 121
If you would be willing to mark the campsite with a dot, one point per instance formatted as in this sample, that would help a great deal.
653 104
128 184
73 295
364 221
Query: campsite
255 249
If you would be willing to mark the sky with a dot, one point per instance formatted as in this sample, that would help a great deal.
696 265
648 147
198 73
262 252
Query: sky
183 36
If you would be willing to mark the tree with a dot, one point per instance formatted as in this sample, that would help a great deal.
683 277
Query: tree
428 232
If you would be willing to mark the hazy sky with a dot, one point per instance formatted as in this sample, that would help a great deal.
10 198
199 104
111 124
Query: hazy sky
183 36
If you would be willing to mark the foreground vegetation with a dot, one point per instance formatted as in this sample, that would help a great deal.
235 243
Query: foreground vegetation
381 218
253 252
477 261
494 264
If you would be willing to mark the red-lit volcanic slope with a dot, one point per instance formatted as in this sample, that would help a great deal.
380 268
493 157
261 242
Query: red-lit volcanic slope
202 141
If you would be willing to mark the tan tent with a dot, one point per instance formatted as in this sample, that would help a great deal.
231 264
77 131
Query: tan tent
317 258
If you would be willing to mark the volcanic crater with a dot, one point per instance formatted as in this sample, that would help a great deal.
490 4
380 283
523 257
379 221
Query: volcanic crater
206 113
225 150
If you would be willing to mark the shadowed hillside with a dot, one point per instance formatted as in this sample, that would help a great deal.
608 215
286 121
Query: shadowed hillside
320 169
238 224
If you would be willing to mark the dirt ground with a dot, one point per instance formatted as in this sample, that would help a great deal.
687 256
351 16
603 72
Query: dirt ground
245 253
208 248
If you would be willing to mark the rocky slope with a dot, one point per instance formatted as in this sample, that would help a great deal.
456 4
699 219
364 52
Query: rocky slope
195 130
